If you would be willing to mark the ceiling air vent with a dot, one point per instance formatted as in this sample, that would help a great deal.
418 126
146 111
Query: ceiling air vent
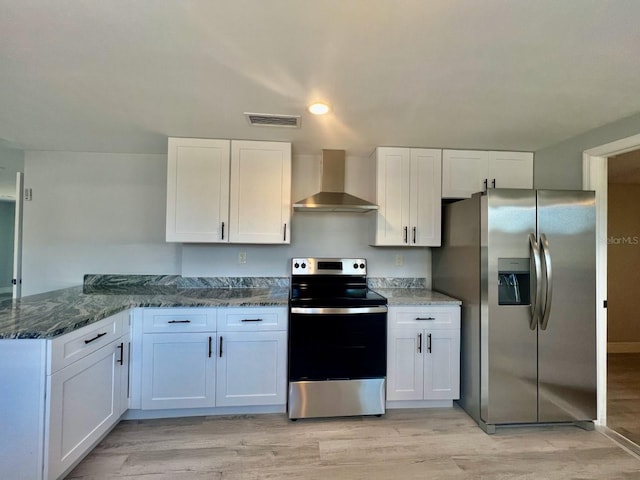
272 120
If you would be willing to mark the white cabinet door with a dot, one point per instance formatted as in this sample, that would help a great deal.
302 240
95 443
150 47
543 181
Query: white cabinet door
84 403
426 197
441 349
252 368
510 169
260 197
392 195
405 364
463 172
178 370
408 193
198 190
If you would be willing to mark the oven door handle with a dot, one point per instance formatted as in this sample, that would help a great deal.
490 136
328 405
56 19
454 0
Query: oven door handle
338 311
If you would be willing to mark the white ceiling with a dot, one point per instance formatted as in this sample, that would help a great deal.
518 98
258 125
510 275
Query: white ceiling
122 75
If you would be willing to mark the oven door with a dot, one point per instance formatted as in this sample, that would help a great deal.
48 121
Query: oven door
337 361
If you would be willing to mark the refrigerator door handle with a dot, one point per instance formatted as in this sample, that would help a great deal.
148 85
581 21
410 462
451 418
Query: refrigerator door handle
537 267
546 254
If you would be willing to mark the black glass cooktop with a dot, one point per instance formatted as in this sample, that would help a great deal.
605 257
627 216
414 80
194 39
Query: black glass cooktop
338 297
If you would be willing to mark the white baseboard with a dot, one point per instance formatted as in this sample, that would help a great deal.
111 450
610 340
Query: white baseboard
623 347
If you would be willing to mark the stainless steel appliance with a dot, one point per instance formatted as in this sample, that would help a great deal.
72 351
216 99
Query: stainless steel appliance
337 357
523 264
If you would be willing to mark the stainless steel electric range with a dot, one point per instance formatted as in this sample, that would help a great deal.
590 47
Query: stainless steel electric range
337 355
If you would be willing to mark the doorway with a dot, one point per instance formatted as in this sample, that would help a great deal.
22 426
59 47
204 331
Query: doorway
596 163
623 289
11 166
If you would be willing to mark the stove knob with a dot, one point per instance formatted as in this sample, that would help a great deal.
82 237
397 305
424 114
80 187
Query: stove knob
296 265
362 265
355 265
304 265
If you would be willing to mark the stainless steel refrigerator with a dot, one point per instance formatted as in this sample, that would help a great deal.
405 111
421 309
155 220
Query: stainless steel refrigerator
523 264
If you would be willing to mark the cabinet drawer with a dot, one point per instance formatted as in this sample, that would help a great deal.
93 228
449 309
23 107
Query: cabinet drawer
75 345
250 319
426 317
167 320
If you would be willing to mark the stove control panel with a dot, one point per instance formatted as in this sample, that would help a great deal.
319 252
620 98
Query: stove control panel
328 266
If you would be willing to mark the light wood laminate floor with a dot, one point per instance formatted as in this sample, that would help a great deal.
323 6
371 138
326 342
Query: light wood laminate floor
403 444
623 394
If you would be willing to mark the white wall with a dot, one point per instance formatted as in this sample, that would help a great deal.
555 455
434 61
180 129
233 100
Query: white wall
105 213
560 166
94 213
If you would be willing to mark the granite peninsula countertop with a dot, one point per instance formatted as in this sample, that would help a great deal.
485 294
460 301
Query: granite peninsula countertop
50 314
47 315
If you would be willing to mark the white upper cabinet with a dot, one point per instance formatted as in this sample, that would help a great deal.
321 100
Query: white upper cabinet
511 169
198 190
408 193
465 172
221 191
260 207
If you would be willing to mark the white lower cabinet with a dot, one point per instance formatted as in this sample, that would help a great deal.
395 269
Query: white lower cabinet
178 370
84 403
86 390
423 353
252 356
252 368
242 364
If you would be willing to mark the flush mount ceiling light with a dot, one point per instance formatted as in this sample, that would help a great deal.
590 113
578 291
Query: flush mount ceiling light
318 108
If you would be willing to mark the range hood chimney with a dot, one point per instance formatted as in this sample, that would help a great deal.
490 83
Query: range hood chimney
332 197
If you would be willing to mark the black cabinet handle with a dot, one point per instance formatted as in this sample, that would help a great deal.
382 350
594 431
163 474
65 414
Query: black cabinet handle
425 318
209 347
486 184
220 346
95 338
222 230
179 321
493 183
406 234
419 343
285 233
429 343
251 320
414 234
121 347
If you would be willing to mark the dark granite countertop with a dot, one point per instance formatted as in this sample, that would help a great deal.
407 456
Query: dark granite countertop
50 314
416 296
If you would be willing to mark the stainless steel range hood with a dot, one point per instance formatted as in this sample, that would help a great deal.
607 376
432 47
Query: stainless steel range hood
332 197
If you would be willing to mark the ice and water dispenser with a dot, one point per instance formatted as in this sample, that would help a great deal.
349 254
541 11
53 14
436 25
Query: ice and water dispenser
513 281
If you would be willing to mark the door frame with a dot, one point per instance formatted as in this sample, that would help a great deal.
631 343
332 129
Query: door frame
17 238
595 177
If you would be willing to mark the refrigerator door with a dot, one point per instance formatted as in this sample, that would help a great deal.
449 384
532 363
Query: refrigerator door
508 344
567 330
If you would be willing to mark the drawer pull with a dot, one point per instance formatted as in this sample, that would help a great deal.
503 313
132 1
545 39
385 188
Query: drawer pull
220 346
251 320
95 338
179 321
425 318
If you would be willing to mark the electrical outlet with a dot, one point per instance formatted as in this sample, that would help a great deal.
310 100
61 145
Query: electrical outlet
242 257
399 260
